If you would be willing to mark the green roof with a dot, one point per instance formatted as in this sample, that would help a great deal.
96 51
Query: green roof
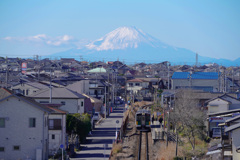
97 70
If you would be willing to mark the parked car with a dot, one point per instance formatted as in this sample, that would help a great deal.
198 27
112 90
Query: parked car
96 116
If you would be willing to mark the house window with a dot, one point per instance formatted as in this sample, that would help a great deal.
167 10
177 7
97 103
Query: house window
137 84
16 148
2 122
53 136
82 104
63 102
1 149
130 84
54 124
32 122
27 92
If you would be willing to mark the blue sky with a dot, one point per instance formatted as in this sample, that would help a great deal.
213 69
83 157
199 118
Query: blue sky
210 28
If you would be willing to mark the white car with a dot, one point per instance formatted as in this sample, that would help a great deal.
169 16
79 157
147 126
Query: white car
96 116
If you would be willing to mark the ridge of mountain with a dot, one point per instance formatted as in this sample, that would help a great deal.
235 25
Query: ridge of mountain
133 45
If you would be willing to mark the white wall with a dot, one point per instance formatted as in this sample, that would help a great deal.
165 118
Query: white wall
60 135
217 105
18 132
71 105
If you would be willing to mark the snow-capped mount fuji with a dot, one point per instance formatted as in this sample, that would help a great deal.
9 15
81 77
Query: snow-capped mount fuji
133 45
122 38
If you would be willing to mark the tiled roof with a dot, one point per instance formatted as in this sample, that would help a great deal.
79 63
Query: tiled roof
195 75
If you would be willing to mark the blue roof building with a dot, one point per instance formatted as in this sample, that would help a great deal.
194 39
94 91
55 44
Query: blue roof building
206 81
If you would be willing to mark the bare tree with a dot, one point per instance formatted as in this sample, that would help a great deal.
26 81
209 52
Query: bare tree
187 116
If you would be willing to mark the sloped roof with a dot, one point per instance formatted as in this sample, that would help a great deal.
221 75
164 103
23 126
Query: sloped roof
4 93
36 85
57 111
93 100
223 97
195 75
233 127
97 70
29 101
57 93
232 119
136 80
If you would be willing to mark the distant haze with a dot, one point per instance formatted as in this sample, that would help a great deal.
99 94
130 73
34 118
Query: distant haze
132 45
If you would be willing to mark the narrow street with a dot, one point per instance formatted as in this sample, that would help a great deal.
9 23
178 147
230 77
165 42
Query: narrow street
99 144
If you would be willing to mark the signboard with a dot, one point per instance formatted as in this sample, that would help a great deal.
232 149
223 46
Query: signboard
24 67
218 119
61 146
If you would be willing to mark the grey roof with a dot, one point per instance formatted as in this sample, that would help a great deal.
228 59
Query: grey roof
224 112
232 119
77 85
233 127
223 97
29 101
57 93
36 85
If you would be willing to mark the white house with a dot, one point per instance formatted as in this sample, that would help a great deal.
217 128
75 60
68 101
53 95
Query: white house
71 101
221 104
28 88
136 85
56 130
234 129
80 86
23 128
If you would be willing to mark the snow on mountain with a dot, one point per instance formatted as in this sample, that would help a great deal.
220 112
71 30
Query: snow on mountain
123 37
133 44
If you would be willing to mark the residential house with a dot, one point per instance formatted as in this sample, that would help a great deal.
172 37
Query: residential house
71 101
234 128
79 86
135 85
221 104
96 89
23 128
56 129
206 81
96 103
28 88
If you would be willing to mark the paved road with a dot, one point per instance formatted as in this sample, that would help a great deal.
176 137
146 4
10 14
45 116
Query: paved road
103 134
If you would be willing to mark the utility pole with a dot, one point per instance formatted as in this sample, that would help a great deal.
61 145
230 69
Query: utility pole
168 74
7 74
232 81
51 85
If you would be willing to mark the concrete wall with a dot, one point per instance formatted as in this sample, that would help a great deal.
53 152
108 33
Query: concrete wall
18 132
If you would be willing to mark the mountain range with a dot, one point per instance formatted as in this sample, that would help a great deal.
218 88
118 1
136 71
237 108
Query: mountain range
133 45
